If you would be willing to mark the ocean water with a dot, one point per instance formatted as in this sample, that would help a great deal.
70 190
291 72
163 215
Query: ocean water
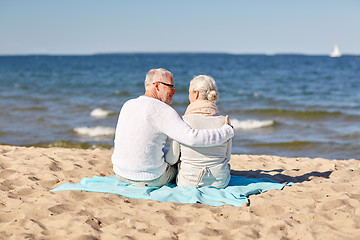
285 105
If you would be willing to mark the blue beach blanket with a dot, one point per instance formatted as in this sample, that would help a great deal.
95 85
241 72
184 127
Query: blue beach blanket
235 194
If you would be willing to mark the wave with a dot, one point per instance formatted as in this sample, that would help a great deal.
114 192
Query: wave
351 136
292 145
301 114
70 144
2 134
122 93
100 113
95 131
30 109
251 124
180 103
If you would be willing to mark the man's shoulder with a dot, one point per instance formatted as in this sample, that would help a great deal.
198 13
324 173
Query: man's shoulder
146 102
139 100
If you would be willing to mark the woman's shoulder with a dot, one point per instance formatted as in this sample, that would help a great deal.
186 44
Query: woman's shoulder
200 121
203 116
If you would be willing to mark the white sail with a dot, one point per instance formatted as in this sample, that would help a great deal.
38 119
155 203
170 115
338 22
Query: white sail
336 52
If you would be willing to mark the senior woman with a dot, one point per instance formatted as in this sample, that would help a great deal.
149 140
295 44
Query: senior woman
202 166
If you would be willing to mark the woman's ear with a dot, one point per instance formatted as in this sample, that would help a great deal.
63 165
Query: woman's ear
197 94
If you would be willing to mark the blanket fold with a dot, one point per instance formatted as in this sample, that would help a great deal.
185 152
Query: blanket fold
235 194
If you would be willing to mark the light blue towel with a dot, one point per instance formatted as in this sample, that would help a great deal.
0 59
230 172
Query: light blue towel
235 194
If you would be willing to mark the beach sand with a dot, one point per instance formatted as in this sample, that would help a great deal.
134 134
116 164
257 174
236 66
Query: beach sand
324 203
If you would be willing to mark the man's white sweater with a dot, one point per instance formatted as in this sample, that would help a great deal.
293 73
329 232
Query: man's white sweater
143 126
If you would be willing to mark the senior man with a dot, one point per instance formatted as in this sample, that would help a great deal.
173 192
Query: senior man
143 126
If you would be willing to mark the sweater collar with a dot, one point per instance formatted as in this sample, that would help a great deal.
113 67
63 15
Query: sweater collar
204 107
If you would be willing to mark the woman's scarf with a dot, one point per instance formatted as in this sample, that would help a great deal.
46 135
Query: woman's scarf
204 107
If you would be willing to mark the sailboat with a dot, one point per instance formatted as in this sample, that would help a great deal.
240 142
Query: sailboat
336 52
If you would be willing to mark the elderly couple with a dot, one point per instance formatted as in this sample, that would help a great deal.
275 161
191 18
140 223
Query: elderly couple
201 139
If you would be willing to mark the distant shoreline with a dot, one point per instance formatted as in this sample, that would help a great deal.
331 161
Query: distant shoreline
172 53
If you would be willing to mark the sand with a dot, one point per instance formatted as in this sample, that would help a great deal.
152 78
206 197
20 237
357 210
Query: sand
324 203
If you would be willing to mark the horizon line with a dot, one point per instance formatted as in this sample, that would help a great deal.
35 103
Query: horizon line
165 53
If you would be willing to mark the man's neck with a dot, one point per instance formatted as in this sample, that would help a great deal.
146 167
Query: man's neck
150 94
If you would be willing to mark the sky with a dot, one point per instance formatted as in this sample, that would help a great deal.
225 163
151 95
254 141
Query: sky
170 26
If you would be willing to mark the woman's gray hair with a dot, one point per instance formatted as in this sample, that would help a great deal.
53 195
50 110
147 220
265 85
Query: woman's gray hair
156 75
206 87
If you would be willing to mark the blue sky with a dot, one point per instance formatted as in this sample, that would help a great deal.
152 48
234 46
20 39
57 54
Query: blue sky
229 26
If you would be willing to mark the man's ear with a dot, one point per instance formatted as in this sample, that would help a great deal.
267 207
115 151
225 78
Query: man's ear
156 86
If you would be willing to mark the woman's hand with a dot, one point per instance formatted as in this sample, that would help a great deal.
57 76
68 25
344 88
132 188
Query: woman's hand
227 121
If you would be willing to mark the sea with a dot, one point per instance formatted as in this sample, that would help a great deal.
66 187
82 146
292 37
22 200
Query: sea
286 105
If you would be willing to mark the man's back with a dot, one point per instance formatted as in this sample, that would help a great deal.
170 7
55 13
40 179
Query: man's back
138 141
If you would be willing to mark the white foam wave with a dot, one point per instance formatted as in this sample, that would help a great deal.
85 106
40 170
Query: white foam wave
95 131
100 113
251 124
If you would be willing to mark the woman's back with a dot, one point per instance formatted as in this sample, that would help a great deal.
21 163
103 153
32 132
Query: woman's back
204 166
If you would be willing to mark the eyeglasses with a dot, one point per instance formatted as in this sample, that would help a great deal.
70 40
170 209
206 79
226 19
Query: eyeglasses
167 84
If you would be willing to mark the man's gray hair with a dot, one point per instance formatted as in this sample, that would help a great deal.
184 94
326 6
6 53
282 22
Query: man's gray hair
156 75
206 87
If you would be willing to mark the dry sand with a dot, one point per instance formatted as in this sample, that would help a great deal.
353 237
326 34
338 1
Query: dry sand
323 204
